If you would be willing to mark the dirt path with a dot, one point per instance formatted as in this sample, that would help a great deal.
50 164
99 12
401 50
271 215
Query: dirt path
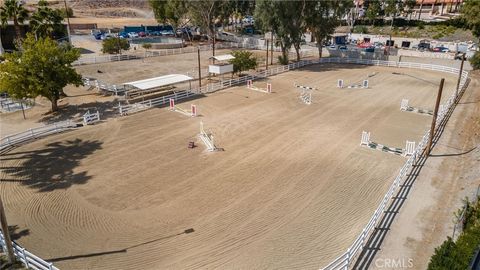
292 189
449 175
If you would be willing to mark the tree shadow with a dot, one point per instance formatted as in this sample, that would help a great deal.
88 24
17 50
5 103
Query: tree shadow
15 234
107 109
52 167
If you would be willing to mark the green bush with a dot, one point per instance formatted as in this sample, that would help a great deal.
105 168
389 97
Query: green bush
283 60
147 46
458 255
244 60
68 13
115 45
475 61
360 29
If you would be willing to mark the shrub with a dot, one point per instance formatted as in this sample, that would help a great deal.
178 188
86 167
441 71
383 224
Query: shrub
458 255
147 46
283 60
115 45
475 61
68 13
244 60
361 29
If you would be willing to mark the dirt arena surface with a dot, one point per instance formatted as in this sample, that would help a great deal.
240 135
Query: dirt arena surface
291 190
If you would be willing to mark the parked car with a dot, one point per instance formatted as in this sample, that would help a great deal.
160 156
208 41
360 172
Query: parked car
332 47
98 36
248 20
123 35
370 49
441 49
142 34
167 33
343 48
132 35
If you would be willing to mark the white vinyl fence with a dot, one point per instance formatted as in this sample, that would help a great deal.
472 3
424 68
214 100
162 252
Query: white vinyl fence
34 133
143 105
345 260
84 60
28 259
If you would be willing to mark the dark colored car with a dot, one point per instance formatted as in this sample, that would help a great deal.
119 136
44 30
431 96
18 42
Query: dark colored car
370 49
441 49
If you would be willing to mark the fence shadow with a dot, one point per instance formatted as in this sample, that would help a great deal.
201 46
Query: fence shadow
374 242
52 167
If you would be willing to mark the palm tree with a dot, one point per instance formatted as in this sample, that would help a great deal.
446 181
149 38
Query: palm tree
45 20
13 10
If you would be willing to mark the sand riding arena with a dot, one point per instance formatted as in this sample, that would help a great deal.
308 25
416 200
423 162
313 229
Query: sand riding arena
288 186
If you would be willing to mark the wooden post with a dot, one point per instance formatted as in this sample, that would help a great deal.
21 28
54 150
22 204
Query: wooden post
271 49
6 234
266 62
199 69
460 74
434 119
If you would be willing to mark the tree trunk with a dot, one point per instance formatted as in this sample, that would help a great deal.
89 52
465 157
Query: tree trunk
420 12
297 51
18 30
54 104
319 45
2 51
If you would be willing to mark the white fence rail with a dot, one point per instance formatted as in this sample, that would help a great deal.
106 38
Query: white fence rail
143 105
85 60
34 133
345 260
27 258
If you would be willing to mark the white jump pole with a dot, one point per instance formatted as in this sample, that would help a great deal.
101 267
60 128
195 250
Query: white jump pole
409 148
404 105
365 84
340 83
269 88
249 83
365 138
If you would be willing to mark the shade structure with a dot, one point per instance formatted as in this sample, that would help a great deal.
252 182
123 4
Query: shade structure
159 81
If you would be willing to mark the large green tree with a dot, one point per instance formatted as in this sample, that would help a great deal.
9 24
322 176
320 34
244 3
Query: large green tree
471 12
42 68
286 19
322 17
170 12
45 21
15 11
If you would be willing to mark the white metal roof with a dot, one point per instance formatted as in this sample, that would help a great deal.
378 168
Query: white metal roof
159 81
223 57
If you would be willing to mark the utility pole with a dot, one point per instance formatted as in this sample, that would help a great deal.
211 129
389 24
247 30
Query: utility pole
266 62
460 74
434 119
68 21
199 69
6 234
271 49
